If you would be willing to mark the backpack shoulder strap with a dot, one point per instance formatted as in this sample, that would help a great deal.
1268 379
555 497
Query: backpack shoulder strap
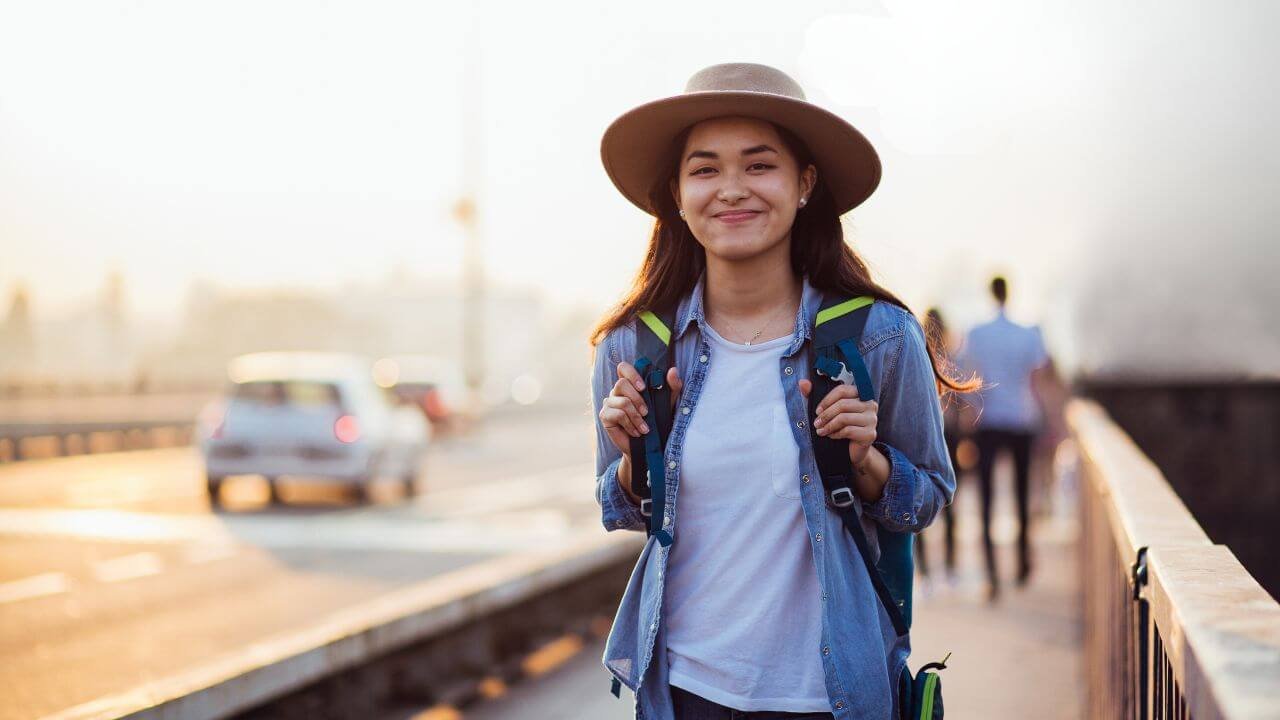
653 356
836 359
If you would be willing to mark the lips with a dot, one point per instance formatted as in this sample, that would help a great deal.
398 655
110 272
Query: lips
736 216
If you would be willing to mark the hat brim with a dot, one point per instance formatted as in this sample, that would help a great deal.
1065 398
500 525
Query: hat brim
636 146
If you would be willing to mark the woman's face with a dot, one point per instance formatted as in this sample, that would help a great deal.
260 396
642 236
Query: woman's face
740 187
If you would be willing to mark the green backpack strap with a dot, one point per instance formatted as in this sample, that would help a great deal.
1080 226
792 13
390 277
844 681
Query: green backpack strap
837 331
653 356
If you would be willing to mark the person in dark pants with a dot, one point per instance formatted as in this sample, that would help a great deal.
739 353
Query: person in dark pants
935 330
1005 355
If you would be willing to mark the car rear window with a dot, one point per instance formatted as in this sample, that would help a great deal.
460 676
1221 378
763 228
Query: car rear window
295 393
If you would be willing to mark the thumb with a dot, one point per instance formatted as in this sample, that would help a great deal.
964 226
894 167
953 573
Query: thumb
673 380
806 387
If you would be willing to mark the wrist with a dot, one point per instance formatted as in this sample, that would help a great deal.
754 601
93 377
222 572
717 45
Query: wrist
624 479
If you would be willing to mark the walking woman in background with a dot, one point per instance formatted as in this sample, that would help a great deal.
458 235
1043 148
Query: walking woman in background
935 330
751 601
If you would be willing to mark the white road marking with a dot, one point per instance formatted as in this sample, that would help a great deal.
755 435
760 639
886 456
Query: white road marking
127 567
34 587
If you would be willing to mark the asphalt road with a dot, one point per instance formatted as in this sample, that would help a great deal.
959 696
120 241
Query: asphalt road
114 570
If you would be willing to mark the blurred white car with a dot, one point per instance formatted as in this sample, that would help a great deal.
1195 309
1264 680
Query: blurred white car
310 416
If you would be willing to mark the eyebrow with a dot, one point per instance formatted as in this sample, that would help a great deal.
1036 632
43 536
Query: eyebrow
756 150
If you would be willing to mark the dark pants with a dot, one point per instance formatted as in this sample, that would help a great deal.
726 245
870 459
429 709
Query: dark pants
949 524
991 442
695 707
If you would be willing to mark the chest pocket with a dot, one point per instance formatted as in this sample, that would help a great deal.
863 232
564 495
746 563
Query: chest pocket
784 456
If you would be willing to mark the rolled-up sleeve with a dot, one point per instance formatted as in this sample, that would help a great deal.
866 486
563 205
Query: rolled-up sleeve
921 479
618 512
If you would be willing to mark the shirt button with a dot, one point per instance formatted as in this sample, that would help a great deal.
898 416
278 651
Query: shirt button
685 410
672 464
787 370
839 705
818 537
800 424
826 650
824 597
702 358
619 523
805 478
654 626
906 516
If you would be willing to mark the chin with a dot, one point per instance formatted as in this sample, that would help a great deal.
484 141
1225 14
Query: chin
731 247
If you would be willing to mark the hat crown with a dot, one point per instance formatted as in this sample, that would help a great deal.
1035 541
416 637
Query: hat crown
744 77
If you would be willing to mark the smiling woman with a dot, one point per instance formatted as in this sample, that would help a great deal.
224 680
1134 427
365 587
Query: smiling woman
755 601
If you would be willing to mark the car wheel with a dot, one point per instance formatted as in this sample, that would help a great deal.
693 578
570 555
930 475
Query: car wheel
214 484
273 491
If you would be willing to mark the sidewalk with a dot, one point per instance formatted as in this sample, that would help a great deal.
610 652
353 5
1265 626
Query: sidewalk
1021 656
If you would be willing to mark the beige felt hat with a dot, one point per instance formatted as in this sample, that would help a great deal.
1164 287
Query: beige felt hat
635 147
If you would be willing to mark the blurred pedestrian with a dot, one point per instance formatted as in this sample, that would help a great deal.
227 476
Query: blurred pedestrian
935 330
750 600
1006 355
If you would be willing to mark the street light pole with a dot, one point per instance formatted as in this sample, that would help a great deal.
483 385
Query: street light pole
473 290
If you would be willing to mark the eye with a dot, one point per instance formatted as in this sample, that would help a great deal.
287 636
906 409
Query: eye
763 166
699 170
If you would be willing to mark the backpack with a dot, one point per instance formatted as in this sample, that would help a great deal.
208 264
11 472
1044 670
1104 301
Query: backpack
836 359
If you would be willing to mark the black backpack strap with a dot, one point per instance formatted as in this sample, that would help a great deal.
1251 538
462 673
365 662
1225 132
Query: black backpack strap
648 474
836 359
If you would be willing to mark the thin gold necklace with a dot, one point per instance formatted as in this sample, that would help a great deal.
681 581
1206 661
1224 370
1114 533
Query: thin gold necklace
759 332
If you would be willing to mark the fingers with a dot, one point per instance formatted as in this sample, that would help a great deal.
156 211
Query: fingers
860 434
806 387
629 385
842 415
674 381
621 412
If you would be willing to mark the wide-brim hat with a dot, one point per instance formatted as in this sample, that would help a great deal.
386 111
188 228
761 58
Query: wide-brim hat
637 146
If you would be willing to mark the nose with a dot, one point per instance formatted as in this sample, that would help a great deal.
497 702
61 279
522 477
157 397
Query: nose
732 190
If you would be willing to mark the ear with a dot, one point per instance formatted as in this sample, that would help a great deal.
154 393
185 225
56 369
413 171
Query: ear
808 181
675 191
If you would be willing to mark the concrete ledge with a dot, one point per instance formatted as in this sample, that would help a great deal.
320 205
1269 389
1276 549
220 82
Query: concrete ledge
278 666
1220 631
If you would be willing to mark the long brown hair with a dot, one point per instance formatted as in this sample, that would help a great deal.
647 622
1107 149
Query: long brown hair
674 259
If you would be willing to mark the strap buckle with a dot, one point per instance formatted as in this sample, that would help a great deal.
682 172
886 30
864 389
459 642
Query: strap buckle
646 507
842 497
835 370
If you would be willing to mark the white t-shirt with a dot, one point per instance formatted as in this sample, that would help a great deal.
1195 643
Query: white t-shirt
743 604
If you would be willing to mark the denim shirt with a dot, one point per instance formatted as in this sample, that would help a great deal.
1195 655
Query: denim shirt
861 654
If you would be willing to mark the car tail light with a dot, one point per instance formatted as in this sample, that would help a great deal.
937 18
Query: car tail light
346 429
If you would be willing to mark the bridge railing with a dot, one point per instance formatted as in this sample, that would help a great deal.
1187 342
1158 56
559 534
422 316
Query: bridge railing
1175 627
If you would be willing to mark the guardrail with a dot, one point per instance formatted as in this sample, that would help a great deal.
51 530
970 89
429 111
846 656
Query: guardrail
21 441
435 642
1175 627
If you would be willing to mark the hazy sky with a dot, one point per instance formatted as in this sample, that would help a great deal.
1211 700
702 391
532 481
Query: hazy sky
308 144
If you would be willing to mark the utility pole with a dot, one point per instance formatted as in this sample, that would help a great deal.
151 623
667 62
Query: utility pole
467 212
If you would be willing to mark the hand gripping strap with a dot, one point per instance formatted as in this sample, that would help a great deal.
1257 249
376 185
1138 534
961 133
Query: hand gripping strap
648 472
835 344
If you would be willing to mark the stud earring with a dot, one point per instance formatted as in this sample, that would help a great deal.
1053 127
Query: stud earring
681 213
803 201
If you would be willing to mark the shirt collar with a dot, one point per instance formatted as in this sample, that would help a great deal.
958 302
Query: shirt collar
690 311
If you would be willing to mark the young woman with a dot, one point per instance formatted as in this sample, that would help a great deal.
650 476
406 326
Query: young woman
760 607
